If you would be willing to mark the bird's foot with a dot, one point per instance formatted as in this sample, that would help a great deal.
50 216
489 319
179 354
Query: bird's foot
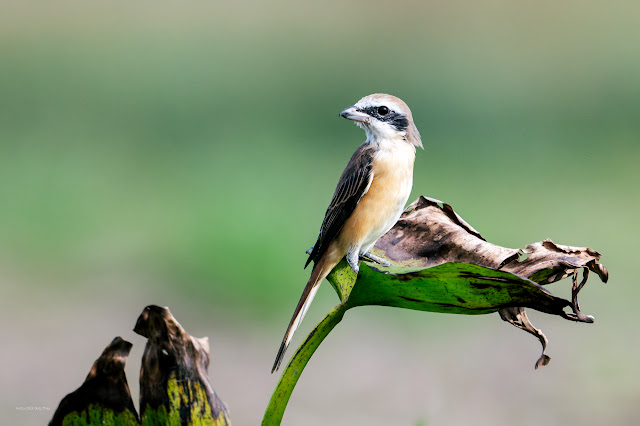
373 258
353 260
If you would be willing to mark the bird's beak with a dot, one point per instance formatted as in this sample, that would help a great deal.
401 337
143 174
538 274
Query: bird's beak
352 113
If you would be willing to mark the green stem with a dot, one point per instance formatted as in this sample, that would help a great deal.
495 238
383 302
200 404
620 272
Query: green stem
280 397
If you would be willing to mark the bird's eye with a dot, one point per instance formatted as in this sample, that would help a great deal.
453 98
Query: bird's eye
383 110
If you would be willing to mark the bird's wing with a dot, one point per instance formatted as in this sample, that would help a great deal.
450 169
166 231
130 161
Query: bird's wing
353 184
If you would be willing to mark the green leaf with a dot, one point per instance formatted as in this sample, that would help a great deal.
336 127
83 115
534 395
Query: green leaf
457 288
452 288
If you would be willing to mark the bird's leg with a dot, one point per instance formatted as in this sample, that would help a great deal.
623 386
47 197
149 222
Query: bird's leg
372 257
353 259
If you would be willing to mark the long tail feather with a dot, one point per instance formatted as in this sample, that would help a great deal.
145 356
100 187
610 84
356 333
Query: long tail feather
317 275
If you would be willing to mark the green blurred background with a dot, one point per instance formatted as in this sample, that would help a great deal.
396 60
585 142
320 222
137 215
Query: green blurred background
184 154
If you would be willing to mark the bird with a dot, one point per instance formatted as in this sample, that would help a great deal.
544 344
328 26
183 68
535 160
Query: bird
369 198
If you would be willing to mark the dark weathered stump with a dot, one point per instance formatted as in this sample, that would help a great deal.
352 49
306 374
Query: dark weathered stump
174 382
104 397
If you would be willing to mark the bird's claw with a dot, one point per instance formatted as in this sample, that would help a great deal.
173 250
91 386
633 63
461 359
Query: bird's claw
353 260
354 266
376 259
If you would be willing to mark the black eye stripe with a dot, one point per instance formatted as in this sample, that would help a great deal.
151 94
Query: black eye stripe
396 119
400 122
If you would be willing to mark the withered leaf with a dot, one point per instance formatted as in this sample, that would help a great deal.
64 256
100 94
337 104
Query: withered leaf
430 233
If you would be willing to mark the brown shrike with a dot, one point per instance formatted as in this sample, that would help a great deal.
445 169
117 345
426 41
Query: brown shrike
370 196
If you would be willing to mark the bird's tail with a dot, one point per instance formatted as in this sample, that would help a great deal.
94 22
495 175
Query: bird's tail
319 273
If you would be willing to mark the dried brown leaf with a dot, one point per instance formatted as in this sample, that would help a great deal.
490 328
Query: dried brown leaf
431 233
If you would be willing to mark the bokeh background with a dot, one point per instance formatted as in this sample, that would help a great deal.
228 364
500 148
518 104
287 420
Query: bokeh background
184 154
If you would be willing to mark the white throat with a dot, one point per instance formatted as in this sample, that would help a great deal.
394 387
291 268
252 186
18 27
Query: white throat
384 136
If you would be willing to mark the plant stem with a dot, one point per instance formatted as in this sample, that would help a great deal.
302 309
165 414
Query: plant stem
280 397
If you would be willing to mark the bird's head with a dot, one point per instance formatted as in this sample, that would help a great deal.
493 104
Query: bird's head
384 116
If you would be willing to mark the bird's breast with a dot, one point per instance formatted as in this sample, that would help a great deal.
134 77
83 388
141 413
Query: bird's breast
379 209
